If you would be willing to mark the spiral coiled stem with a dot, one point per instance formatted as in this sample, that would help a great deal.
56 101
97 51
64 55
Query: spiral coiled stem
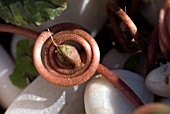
53 71
49 68
164 30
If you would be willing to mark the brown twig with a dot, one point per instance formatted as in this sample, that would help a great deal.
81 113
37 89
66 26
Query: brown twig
48 67
118 83
18 30
43 56
152 49
132 27
118 36
164 30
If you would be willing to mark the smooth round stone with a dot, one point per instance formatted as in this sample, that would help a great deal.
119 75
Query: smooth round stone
8 91
158 81
88 13
43 97
115 59
101 97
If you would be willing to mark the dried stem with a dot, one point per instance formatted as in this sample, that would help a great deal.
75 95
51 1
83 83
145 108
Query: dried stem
50 69
152 49
118 83
118 37
18 30
164 30
43 56
52 38
54 73
161 36
132 27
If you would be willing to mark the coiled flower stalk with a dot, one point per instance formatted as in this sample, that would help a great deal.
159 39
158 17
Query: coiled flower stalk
160 38
48 57
164 30
63 64
56 71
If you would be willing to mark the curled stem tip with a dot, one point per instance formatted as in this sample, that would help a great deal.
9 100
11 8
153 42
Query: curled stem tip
131 26
164 30
56 71
44 55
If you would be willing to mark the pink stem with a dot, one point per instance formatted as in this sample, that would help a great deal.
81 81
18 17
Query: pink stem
118 83
19 30
132 27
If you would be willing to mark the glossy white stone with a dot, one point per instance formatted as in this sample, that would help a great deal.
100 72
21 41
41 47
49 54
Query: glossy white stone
115 59
43 97
8 92
89 13
101 97
158 80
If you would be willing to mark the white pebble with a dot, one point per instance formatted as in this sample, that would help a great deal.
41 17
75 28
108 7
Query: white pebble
158 81
8 91
43 97
101 97
115 59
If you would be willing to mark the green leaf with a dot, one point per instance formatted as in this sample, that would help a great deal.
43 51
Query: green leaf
18 79
23 48
30 12
24 68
